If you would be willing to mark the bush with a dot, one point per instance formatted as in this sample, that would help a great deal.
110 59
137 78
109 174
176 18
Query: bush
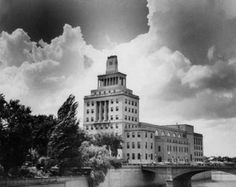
116 163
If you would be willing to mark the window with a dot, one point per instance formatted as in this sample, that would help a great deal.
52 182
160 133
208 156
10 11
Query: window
132 110
145 134
125 101
133 145
111 117
139 156
133 156
117 126
159 148
125 117
138 134
138 145
151 157
151 145
151 135
129 118
132 103
111 101
91 118
117 108
111 109
87 127
132 118
135 103
91 127
92 111
117 117
117 100
87 111
146 157
127 145
125 108
127 134
129 102
133 134
145 145
87 119
128 109
92 103
87 103
128 156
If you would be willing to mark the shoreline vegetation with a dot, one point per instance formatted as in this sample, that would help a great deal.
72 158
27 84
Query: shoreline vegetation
40 146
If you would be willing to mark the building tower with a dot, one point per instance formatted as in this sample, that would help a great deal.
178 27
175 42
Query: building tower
111 106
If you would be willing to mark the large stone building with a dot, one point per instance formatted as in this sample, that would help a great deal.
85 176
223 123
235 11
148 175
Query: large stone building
113 108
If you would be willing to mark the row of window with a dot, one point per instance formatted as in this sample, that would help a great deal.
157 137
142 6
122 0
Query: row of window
138 156
97 127
104 92
175 149
116 109
198 154
138 134
132 110
176 141
116 117
131 118
138 145
162 133
130 126
197 141
129 102
198 147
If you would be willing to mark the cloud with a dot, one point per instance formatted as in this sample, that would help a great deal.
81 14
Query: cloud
192 27
183 69
45 72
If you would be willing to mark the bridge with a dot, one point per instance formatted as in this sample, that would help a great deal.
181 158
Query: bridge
180 175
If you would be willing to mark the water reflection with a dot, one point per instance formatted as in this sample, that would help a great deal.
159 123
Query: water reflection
214 184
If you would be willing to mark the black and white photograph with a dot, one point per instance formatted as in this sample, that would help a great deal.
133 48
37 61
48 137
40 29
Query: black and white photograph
117 93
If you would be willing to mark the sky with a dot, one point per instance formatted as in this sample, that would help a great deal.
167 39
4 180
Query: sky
179 57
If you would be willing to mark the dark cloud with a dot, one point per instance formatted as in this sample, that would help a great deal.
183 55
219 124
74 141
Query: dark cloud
192 27
117 19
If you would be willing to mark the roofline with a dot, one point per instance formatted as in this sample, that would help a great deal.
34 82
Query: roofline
112 74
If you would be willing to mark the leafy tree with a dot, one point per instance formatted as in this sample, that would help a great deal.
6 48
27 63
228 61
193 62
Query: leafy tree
112 142
98 158
42 129
66 138
15 133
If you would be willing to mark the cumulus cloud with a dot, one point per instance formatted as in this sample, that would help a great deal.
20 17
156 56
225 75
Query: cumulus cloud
183 69
43 74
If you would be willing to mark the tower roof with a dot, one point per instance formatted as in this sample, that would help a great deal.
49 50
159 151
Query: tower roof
112 64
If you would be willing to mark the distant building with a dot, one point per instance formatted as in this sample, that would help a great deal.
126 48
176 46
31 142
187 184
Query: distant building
113 108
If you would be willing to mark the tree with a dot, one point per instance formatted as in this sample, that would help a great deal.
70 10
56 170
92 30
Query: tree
43 126
66 138
15 130
96 157
112 142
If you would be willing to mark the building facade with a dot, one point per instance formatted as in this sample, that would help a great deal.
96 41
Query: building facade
113 108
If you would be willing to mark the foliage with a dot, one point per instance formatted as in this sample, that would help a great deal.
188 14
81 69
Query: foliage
112 142
15 133
116 163
97 158
66 137
42 128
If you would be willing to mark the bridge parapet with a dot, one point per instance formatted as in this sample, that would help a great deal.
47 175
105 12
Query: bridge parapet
180 175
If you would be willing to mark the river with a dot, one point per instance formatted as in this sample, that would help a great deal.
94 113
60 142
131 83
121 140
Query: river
214 184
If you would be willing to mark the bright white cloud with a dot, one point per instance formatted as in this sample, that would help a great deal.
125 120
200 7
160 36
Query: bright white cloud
171 87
